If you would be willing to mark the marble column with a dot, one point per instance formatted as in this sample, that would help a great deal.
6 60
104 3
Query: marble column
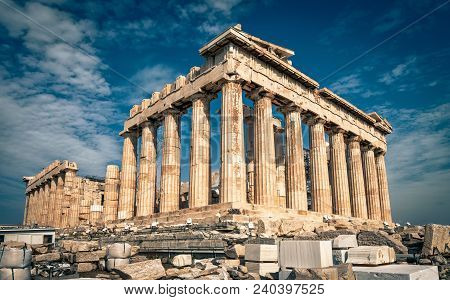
46 202
232 171
356 178
250 159
112 186
75 202
371 183
385 203
280 162
265 167
295 163
170 165
145 204
320 182
69 177
27 209
200 177
51 215
35 205
57 215
127 192
339 176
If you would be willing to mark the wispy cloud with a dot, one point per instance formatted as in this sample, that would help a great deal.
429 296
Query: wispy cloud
399 71
388 21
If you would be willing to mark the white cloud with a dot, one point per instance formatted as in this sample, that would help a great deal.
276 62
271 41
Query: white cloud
398 71
349 84
418 163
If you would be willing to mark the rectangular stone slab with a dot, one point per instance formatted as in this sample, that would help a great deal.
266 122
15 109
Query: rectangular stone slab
345 241
397 272
262 268
371 255
305 254
261 253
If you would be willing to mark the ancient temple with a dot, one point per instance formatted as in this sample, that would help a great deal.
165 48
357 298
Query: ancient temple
263 168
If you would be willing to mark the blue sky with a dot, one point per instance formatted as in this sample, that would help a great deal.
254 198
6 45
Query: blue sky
58 103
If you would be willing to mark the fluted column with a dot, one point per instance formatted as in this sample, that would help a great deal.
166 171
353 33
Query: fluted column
356 178
57 214
45 203
250 159
27 209
67 197
371 183
232 171
112 186
75 202
320 183
170 166
339 176
295 163
280 163
265 167
51 215
200 177
385 203
127 193
145 204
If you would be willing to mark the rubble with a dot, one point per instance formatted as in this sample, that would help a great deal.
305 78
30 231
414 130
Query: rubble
146 270
436 237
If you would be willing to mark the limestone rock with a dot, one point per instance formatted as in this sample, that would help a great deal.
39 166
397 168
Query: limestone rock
146 270
86 267
48 257
112 263
83 246
182 260
89 256
371 255
119 250
436 237
235 251
341 272
345 242
262 268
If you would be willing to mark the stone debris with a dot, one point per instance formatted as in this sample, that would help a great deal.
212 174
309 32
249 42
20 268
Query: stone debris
436 237
261 253
345 241
341 272
147 270
340 256
371 255
381 238
48 257
305 254
182 260
399 272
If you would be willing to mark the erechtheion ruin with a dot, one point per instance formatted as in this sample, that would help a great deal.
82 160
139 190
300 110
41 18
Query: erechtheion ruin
347 173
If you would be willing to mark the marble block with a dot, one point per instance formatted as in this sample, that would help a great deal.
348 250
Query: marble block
371 255
305 254
261 252
397 272
262 268
345 241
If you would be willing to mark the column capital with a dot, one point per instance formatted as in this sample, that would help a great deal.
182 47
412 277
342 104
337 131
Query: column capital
367 147
354 138
312 120
129 133
380 152
292 107
260 92
337 129
203 95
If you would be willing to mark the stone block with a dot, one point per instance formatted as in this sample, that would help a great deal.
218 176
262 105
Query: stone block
146 270
86 267
261 253
397 272
339 256
262 268
182 260
235 251
112 263
82 246
345 241
341 272
15 274
371 255
47 257
89 256
436 237
305 254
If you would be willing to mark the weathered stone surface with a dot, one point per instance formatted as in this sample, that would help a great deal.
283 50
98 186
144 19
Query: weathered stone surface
371 255
112 263
227 263
305 254
86 267
381 238
15 258
89 256
339 256
119 250
235 251
15 274
147 270
402 272
261 252
14 244
81 246
48 257
262 268
182 260
436 237
341 272
345 242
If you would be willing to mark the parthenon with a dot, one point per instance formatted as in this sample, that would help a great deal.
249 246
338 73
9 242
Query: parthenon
262 162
